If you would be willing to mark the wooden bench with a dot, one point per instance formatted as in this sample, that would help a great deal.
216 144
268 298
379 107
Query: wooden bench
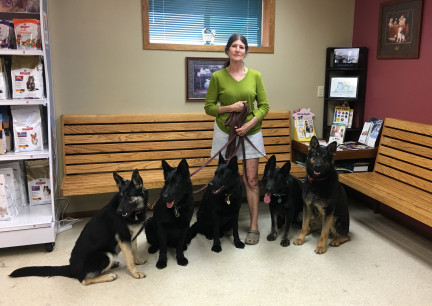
402 176
96 145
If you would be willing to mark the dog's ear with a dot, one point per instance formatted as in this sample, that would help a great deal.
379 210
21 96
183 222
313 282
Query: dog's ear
166 168
271 164
183 167
118 179
137 180
233 164
314 143
331 148
221 159
286 168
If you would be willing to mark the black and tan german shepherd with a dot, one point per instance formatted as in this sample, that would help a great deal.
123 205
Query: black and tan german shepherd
325 200
113 229
172 214
284 196
220 206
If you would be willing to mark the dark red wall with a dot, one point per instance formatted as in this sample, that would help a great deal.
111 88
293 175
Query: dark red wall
397 88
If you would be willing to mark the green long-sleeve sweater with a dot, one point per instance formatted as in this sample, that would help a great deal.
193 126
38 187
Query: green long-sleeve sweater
226 90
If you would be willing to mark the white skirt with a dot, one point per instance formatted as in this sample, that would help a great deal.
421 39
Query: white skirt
220 138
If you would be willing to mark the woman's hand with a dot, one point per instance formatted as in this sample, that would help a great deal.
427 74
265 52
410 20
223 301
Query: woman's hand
246 127
237 107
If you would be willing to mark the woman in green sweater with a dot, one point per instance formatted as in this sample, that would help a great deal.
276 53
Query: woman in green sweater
231 87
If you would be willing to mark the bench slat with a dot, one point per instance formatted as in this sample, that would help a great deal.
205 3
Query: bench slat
153 155
168 117
405 167
407 136
415 127
147 164
76 129
160 136
154 146
404 177
404 156
403 146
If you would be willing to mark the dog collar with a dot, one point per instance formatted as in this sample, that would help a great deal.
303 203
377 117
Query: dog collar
136 216
311 179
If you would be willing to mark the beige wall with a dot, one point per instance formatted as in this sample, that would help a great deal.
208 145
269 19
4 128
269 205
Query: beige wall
99 65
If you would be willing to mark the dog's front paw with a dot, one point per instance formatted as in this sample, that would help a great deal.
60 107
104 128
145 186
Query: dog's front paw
285 242
138 274
140 261
320 249
182 261
161 264
272 236
153 249
216 248
298 241
239 244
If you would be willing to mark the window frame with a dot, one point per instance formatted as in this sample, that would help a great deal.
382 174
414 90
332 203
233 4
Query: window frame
267 35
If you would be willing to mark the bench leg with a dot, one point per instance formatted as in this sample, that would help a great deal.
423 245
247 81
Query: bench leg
375 206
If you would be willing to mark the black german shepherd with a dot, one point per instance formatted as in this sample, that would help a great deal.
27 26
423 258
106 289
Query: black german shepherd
284 196
172 214
220 206
113 229
326 205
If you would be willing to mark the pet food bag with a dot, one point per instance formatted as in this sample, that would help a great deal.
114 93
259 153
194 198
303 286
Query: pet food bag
38 181
28 34
27 128
4 88
8 208
20 181
6 34
27 77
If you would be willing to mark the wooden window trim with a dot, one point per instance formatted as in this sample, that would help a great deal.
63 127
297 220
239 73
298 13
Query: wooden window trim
268 30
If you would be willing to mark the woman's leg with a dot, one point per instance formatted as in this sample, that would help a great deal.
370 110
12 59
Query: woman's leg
252 190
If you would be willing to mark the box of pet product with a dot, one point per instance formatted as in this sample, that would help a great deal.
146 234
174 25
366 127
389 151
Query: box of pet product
27 128
38 181
303 124
27 77
8 208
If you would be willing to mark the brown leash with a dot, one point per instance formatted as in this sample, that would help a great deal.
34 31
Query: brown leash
236 120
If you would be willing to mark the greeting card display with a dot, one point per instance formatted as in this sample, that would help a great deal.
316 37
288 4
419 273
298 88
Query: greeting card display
303 124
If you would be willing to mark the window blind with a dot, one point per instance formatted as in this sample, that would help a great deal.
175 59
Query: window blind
182 21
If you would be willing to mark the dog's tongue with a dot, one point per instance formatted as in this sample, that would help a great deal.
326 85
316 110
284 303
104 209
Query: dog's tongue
267 198
170 204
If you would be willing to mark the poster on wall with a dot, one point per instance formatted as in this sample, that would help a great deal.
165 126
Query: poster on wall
399 29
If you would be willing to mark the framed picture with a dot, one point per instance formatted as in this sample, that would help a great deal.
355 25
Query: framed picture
198 74
343 87
348 57
399 29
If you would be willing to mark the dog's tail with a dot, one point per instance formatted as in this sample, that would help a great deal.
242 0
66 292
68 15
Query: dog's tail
192 232
43 271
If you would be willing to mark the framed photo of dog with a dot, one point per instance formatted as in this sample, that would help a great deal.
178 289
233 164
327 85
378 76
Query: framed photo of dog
400 29
198 74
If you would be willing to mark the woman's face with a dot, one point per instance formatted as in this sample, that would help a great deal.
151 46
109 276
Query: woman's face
237 51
